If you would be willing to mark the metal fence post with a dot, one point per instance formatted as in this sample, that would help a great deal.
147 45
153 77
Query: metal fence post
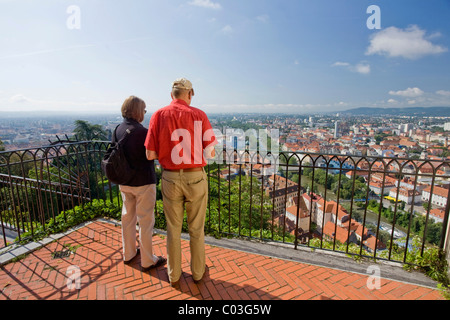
445 238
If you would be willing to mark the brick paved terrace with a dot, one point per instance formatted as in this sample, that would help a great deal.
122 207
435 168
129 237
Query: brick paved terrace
272 240
235 273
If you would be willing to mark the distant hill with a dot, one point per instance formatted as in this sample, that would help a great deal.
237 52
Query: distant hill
412 111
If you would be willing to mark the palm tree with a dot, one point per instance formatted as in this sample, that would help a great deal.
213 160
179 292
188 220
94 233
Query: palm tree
88 132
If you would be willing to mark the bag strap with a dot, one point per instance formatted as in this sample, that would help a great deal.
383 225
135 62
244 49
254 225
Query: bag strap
114 136
123 139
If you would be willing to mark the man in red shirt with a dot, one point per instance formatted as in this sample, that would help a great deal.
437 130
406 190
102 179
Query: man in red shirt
181 138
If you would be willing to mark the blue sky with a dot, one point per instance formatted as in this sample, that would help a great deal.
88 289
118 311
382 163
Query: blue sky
262 56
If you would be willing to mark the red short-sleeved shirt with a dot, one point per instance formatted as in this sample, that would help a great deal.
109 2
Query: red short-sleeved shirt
179 134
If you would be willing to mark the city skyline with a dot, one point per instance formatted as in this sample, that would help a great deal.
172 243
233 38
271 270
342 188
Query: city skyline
242 56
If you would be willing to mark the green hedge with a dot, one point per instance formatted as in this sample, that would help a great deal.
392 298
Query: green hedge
79 214
71 218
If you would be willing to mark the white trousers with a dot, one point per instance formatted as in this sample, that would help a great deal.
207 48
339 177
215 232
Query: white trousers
138 207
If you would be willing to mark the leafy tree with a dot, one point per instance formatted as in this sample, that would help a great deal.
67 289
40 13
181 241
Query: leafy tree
88 132
434 231
239 210
19 163
320 176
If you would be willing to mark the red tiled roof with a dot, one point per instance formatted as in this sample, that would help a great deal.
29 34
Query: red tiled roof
438 213
370 243
359 231
331 229
303 211
439 191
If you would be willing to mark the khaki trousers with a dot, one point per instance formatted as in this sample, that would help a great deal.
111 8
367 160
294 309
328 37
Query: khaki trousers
138 207
185 190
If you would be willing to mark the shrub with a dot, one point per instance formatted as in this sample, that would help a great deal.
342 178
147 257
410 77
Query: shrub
70 218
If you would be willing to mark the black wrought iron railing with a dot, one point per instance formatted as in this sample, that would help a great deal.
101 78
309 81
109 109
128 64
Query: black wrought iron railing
379 207
38 184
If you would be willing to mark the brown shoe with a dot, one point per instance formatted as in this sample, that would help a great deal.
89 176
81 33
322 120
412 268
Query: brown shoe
175 284
161 261
205 273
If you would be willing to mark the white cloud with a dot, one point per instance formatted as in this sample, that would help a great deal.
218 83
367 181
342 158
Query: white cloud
205 4
410 93
411 43
263 18
340 64
227 30
443 93
47 51
19 98
362 67
392 101
274 107
24 103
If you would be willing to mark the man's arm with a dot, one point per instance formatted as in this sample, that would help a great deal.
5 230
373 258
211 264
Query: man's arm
210 152
150 141
151 155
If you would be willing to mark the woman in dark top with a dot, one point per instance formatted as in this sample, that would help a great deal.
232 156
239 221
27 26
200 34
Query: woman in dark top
139 194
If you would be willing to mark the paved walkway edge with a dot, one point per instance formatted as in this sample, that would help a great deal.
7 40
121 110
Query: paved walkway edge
13 251
323 258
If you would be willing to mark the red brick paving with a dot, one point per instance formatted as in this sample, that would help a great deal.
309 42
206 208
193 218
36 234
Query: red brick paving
233 275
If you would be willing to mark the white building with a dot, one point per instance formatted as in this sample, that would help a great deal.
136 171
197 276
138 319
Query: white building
447 126
439 197
405 195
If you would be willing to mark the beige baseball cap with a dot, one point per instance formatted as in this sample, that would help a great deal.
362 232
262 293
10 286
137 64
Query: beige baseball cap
182 83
